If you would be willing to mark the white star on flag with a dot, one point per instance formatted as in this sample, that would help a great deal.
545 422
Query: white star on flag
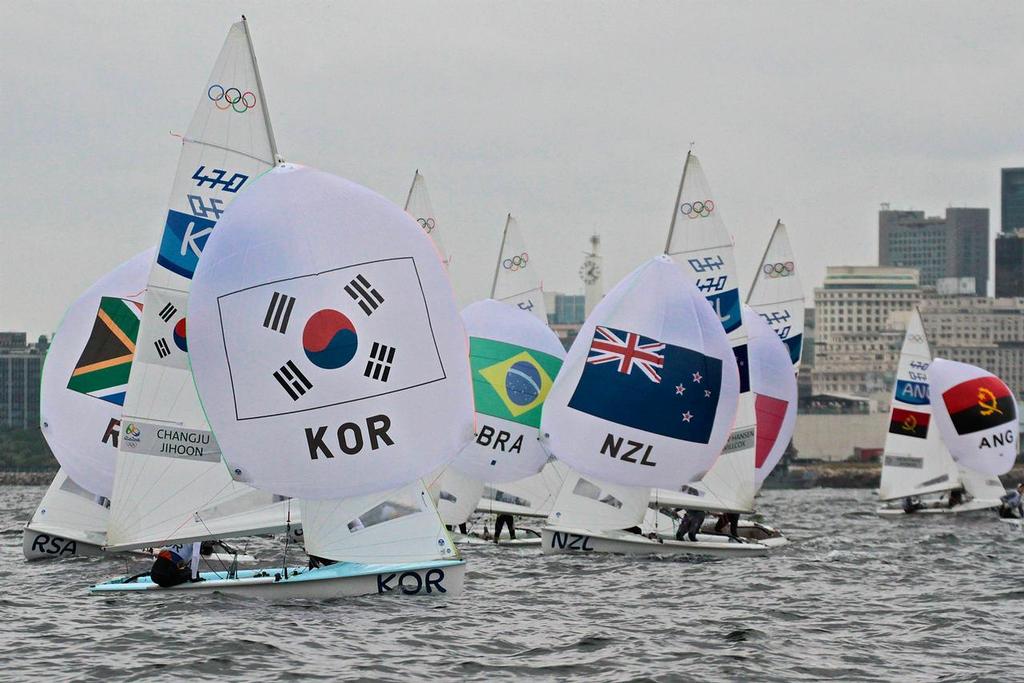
687 416
707 392
680 389
696 377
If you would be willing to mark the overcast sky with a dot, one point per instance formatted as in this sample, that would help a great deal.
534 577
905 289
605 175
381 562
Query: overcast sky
576 116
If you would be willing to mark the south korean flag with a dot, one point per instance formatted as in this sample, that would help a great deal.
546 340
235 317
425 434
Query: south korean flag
164 337
328 338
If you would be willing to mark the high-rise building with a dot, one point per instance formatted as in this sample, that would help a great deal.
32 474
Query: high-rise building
1012 194
1010 263
21 367
566 316
953 246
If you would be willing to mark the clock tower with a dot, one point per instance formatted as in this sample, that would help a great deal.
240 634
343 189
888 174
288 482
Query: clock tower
590 273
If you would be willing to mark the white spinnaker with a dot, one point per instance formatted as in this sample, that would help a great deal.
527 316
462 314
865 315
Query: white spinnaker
777 294
533 496
514 360
647 393
976 414
588 503
69 511
516 278
86 371
169 465
915 460
382 528
327 347
702 246
418 205
454 494
774 386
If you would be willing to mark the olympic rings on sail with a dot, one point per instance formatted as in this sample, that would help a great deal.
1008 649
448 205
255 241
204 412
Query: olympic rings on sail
779 269
231 98
697 209
427 224
516 262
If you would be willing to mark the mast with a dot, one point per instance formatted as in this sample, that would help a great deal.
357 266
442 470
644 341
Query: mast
675 208
412 187
764 256
263 97
501 250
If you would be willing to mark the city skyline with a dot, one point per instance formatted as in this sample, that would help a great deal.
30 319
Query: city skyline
576 118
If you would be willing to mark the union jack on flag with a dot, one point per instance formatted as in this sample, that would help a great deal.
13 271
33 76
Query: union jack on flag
629 350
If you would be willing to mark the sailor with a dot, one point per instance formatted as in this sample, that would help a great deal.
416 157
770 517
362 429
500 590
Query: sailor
691 524
956 497
730 519
911 504
504 520
1013 502
176 564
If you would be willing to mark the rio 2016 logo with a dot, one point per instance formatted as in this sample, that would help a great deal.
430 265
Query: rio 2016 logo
231 98
131 433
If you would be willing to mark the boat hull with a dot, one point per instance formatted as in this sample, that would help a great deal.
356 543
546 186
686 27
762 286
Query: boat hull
344 579
558 540
42 545
970 507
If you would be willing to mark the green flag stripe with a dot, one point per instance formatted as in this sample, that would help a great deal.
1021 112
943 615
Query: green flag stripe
122 315
114 376
486 352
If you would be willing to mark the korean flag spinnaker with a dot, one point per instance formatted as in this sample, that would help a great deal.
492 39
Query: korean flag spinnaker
648 391
325 342
976 414
514 359
86 374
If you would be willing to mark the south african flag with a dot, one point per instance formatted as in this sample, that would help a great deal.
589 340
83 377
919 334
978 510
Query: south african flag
102 369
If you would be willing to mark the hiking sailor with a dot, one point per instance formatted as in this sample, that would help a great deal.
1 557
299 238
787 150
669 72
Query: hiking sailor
176 564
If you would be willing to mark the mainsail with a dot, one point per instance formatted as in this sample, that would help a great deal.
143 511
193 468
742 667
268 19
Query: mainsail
514 359
774 386
516 278
169 469
777 294
85 375
976 414
915 460
700 243
418 205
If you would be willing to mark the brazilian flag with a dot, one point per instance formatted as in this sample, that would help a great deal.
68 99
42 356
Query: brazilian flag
510 381
102 369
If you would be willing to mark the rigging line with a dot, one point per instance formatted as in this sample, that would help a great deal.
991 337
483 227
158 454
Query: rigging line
208 563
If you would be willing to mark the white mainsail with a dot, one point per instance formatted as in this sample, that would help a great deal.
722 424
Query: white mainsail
915 460
514 359
773 384
516 278
533 496
85 375
647 393
777 294
418 205
169 468
976 414
588 503
701 245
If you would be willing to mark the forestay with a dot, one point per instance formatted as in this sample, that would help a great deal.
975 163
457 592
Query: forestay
647 393
169 465
85 375
976 414
380 528
418 205
327 347
700 243
773 383
514 359
516 278
915 460
777 294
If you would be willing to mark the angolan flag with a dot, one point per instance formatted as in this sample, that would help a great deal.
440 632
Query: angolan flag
979 403
909 423
102 369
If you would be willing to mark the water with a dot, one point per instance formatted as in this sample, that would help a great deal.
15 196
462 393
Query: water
855 597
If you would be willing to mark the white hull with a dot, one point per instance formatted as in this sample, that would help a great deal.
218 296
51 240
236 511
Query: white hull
522 540
556 540
41 545
972 506
345 579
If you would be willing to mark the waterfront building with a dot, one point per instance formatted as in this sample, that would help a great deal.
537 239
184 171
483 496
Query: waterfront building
21 367
566 315
955 245
1011 192
1010 263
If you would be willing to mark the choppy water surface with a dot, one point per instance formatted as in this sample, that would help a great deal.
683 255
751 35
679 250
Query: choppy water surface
855 597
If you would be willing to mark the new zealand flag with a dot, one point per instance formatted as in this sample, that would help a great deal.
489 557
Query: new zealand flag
642 383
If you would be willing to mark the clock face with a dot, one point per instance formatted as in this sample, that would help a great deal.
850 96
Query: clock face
590 271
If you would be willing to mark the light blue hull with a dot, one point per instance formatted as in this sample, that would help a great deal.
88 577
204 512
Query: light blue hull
439 577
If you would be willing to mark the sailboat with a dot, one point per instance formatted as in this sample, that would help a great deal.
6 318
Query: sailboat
419 206
516 278
170 483
702 247
646 397
344 401
916 461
